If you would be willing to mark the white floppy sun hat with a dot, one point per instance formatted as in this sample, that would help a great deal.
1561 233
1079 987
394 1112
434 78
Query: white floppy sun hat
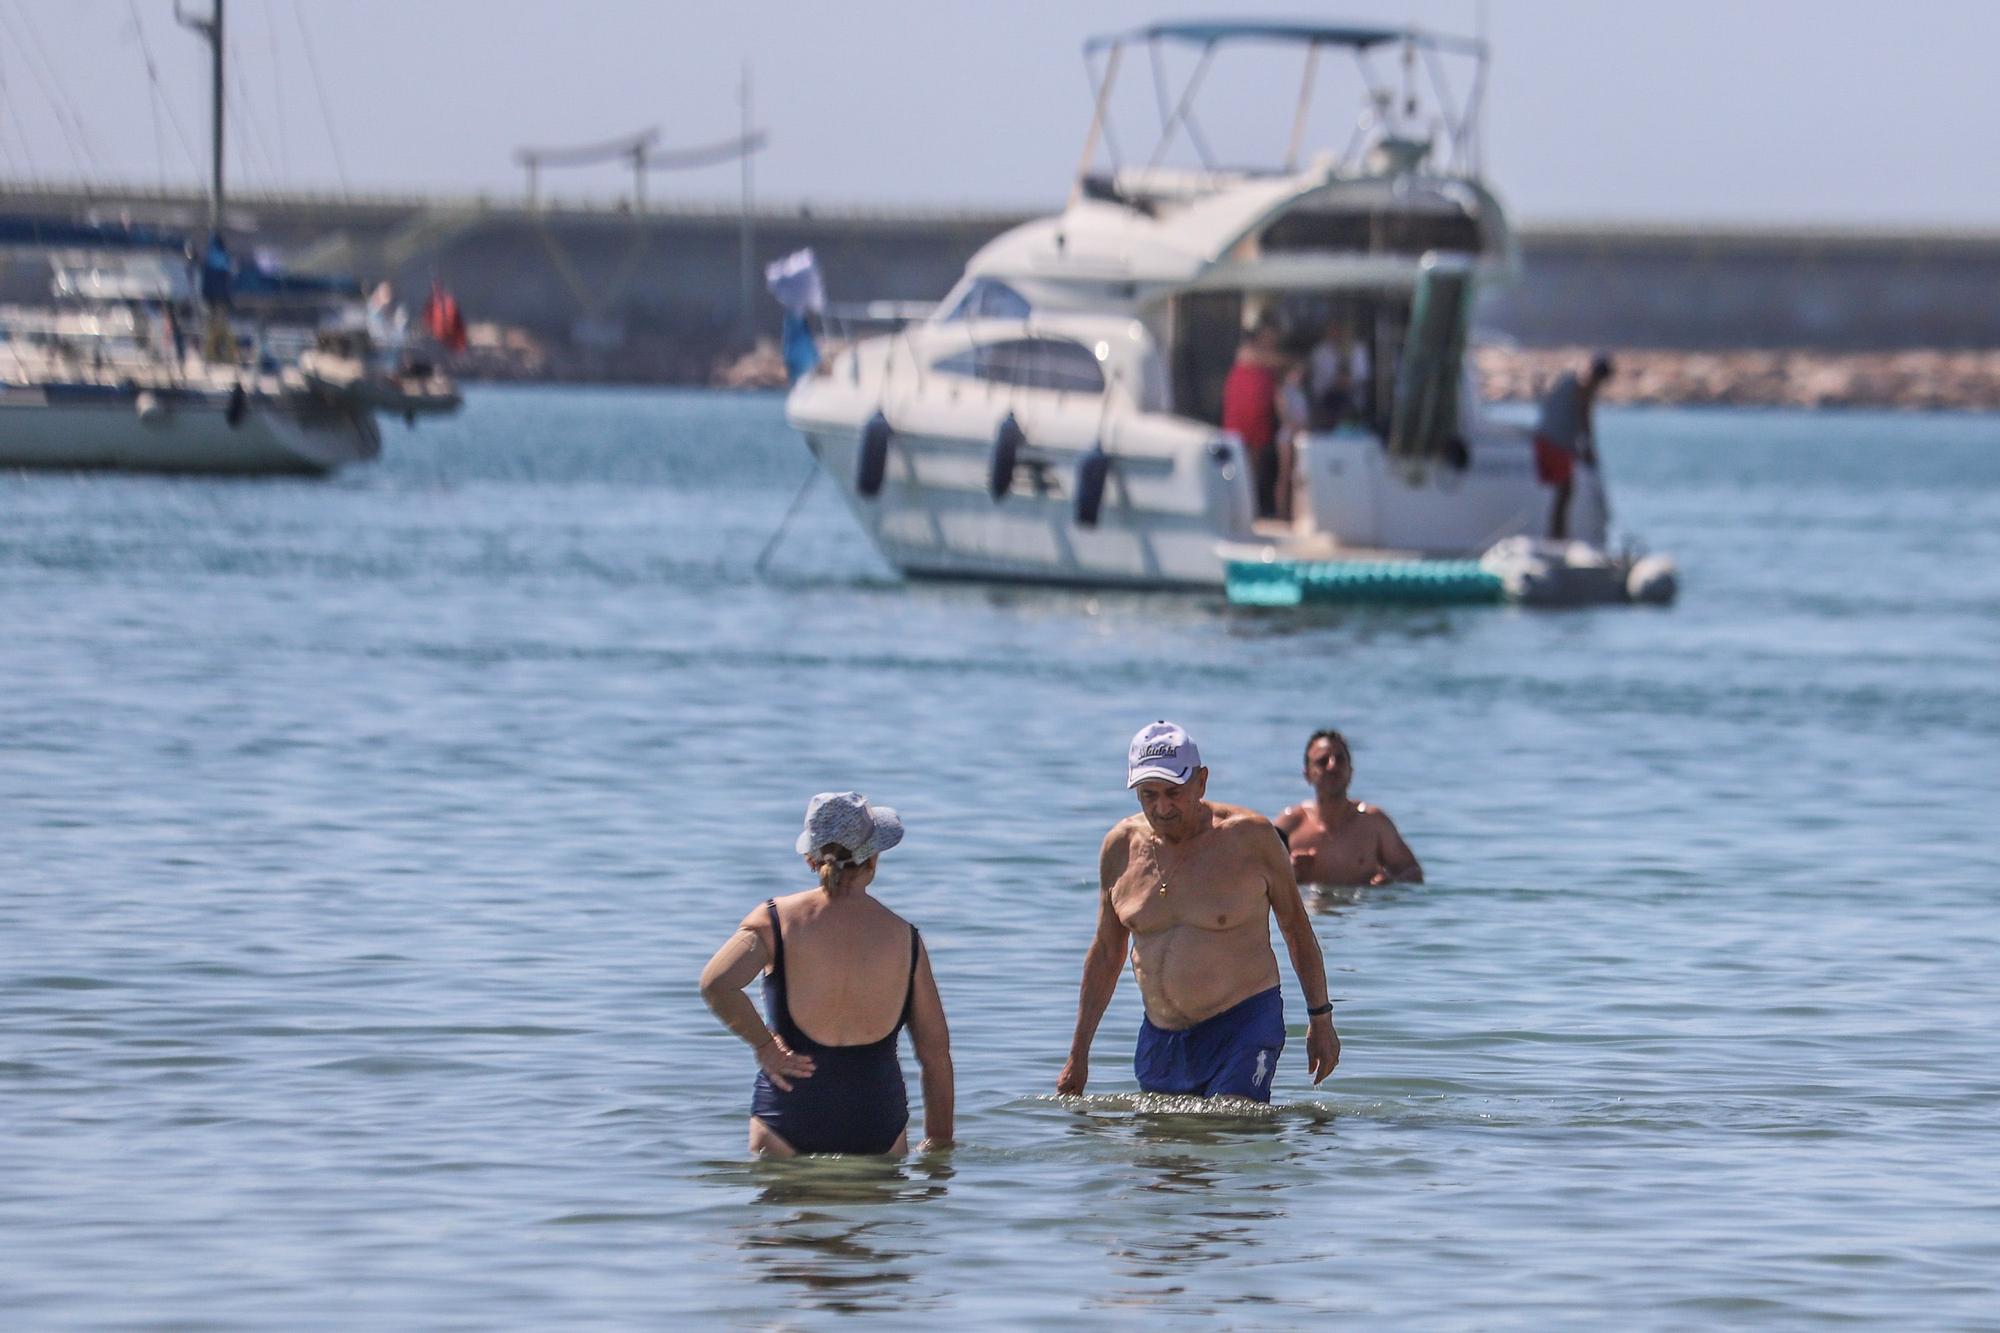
846 818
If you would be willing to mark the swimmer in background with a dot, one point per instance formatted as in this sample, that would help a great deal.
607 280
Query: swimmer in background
1338 842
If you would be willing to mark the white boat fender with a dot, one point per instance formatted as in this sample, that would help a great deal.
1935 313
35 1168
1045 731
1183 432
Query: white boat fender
149 407
873 461
1652 581
1007 442
239 403
1091 471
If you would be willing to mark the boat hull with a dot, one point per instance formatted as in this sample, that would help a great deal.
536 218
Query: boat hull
935 515
53 428
1360 496
1177 510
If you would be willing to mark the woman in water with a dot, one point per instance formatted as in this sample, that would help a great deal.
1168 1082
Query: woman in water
842 976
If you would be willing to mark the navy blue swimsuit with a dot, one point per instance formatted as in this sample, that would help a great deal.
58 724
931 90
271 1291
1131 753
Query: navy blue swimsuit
854 1102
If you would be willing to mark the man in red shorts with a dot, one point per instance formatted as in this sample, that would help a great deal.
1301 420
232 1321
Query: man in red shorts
1565 435
1250 408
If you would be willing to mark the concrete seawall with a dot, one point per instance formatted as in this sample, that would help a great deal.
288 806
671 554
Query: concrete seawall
605 293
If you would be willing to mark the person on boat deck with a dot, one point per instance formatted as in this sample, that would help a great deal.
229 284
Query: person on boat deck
1294 419
1192 885
843 975
1339 376
1566 435
1338 842
1250 406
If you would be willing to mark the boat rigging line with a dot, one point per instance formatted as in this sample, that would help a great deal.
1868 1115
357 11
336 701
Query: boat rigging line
319 88
14 120
157 94
277 83
771 546
60 104
249 137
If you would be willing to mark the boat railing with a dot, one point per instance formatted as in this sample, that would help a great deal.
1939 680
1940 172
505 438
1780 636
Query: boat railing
843 314
1418 116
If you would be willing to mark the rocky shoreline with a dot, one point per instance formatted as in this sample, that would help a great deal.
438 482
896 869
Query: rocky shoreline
1917 380
1913 380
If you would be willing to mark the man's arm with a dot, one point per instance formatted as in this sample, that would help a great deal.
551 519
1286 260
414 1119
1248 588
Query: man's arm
1322 1042
1101 965
1399 863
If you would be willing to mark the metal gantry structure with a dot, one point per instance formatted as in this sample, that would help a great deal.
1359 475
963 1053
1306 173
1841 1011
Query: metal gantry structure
642 151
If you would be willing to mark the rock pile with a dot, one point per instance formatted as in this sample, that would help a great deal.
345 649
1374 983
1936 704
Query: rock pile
1914 380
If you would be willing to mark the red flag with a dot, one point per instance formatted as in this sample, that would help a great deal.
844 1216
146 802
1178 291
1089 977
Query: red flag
444 319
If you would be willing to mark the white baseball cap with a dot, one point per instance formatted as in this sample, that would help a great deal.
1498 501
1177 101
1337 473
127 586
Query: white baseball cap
846 818
1161 750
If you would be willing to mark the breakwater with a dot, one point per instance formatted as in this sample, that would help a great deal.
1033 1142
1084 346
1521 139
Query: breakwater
1916 380
601 292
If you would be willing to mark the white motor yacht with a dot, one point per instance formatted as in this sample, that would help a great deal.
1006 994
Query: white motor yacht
1057 417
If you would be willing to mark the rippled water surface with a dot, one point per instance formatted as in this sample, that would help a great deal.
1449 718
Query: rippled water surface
362 841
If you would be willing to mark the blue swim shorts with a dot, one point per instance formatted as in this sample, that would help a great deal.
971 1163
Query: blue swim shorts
1233 1054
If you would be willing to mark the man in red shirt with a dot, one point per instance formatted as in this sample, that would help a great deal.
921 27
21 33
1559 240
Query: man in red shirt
1250 408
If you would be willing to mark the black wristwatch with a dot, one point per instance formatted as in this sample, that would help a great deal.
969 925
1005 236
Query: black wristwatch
1316 1011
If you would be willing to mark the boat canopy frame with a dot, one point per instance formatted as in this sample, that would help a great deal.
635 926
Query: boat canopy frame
1388 111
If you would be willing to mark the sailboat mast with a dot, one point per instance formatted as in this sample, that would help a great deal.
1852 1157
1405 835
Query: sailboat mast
210 29
215 105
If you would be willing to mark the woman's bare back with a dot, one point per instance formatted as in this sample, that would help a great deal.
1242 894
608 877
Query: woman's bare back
847 966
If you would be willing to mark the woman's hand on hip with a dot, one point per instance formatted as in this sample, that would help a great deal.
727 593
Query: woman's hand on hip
782 1064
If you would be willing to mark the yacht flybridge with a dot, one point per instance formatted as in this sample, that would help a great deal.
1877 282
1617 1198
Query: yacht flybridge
1058 417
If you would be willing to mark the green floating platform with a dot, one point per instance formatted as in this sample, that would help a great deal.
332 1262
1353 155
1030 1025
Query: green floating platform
1336 582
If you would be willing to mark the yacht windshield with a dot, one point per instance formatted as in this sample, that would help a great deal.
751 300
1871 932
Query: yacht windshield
988 298
1029 363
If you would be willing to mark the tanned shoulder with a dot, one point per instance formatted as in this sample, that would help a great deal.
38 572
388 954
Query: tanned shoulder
1117 848
1121 832
1234 819
1230 814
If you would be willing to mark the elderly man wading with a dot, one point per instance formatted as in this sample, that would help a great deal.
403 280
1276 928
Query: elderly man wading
1192 884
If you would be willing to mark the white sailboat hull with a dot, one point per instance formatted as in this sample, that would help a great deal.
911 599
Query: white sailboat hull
49 428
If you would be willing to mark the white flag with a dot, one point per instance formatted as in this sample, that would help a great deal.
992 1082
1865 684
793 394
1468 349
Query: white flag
794 280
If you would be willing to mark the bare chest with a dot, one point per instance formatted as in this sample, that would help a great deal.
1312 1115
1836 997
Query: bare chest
1350 845
1164 887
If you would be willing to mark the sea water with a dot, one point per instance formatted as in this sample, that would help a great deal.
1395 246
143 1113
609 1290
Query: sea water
361 841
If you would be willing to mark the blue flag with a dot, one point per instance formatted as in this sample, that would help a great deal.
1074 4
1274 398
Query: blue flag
801 349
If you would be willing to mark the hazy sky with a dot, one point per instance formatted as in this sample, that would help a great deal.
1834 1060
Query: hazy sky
1818 111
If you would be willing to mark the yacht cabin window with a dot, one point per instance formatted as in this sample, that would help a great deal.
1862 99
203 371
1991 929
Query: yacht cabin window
989 298
1029 363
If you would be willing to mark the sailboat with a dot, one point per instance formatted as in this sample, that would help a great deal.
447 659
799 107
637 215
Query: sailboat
139 365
